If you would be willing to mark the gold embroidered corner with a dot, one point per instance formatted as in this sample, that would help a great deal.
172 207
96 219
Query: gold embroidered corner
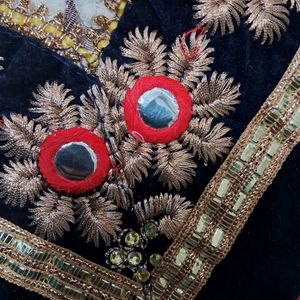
84 52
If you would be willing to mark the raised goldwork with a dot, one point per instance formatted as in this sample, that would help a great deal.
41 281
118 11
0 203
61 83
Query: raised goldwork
57 34
232 194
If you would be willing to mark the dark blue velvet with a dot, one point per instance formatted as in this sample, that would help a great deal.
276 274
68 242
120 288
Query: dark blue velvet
264 262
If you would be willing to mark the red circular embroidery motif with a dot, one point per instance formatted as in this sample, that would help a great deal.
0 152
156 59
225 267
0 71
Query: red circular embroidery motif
54 142
135 124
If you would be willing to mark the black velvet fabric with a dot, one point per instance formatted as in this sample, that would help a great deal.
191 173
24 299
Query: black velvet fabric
264 262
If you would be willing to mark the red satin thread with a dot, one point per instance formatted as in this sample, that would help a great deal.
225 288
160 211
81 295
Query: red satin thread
54 141
191 55
136 125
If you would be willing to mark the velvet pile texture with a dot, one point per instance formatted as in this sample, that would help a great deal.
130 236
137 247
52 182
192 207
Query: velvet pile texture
264 263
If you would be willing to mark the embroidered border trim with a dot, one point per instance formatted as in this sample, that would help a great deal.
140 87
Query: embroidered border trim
57 273
51 33
232 194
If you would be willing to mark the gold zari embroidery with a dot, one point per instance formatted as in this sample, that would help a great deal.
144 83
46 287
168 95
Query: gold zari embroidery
52 32
56 272
266 18
230 197
217 219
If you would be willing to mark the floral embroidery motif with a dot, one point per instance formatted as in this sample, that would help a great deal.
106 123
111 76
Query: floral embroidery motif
79 163
173 83
267 18
33 175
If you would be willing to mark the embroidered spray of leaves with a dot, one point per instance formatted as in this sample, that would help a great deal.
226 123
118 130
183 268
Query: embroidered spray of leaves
171 212
137 159
223 14
148 52
21 180
267 18
188 62
53 103
52 215
174 166
22 137
98 218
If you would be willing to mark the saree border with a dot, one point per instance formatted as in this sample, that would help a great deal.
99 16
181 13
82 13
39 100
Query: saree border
55 272
233 192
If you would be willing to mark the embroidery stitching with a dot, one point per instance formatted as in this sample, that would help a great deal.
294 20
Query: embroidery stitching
83 49
267 18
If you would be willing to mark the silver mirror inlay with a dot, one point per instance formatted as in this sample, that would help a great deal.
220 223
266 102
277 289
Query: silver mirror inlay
75 161
158 108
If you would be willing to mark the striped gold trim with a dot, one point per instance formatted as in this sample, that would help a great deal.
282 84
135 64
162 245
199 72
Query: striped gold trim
232 194
51 32
55 272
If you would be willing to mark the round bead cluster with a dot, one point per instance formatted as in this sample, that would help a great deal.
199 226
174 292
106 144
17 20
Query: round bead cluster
130 252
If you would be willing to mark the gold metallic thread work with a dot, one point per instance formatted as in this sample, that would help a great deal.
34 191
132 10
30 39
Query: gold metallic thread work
53 34
266 18
206 238
232 194
55 272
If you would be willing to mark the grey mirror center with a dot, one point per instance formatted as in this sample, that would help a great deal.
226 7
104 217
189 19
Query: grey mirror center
75 161
158 108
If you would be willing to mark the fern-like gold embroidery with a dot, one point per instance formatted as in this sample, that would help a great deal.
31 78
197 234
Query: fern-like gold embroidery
94 108
174 166
20 182
114 80
215 97
223 14
97 115
52 215
98 219
116 189
186 69
22 137
172 211
207 141
148 52
267 18
53 103
137 159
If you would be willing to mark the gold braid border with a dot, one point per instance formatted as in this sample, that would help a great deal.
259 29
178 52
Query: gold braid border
55 272
52 34
232 194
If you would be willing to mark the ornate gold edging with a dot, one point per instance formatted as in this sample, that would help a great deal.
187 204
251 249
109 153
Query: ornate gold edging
55 272
232 194
51 32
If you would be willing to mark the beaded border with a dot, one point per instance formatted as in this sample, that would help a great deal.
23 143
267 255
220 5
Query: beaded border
232 194
51 33
55 272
